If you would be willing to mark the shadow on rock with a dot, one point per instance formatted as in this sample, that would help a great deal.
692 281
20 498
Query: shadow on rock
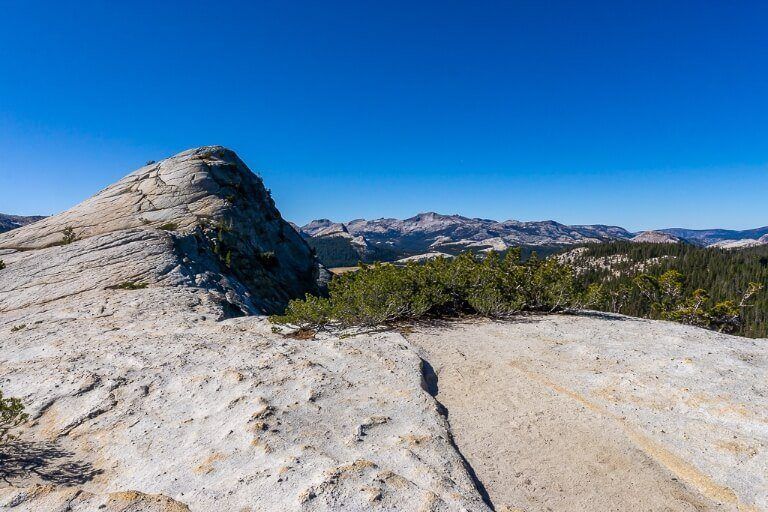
602 315
47 462
430 385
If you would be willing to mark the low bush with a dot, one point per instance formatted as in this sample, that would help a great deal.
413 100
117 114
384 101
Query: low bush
128 285
68 236
2 265
168 226
468 284
497 287
268 259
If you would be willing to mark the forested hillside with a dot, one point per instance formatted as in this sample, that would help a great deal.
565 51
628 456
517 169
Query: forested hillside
723 274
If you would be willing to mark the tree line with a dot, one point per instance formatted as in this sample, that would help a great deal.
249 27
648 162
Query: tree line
697 285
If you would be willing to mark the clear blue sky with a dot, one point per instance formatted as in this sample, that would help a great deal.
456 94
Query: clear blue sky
641 114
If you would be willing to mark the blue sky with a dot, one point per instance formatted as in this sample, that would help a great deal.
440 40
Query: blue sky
641 114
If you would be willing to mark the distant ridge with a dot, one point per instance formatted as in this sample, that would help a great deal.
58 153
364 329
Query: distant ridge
430 231
9 222
711 236
389 239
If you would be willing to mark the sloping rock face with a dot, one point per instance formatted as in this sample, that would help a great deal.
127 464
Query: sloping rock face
203 211
424 257
127 258
335 246
319 229
145 393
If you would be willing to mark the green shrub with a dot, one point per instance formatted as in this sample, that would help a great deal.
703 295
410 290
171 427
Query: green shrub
377 294
547 285
384 293
11 416
725 316
17 328
68 236
2 265
500 287
128 285
168 226
268 259
310 313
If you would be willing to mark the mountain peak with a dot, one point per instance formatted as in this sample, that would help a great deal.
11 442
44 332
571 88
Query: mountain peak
195 184
657 237
434 216
204 206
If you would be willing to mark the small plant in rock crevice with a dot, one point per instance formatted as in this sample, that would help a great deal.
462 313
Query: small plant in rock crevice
168 226
12 415
267 258
68 236
128 285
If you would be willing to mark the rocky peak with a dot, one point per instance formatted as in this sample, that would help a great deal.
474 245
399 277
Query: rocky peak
431 217
324 227
204 183
206 205
656 237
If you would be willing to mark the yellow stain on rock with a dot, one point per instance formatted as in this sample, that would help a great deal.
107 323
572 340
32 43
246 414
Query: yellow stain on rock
207 465
684 470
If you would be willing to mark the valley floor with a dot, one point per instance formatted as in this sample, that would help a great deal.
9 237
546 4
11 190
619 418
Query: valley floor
572 413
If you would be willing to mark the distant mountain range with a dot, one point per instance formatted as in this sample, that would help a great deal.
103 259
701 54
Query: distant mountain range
389 239
706 237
